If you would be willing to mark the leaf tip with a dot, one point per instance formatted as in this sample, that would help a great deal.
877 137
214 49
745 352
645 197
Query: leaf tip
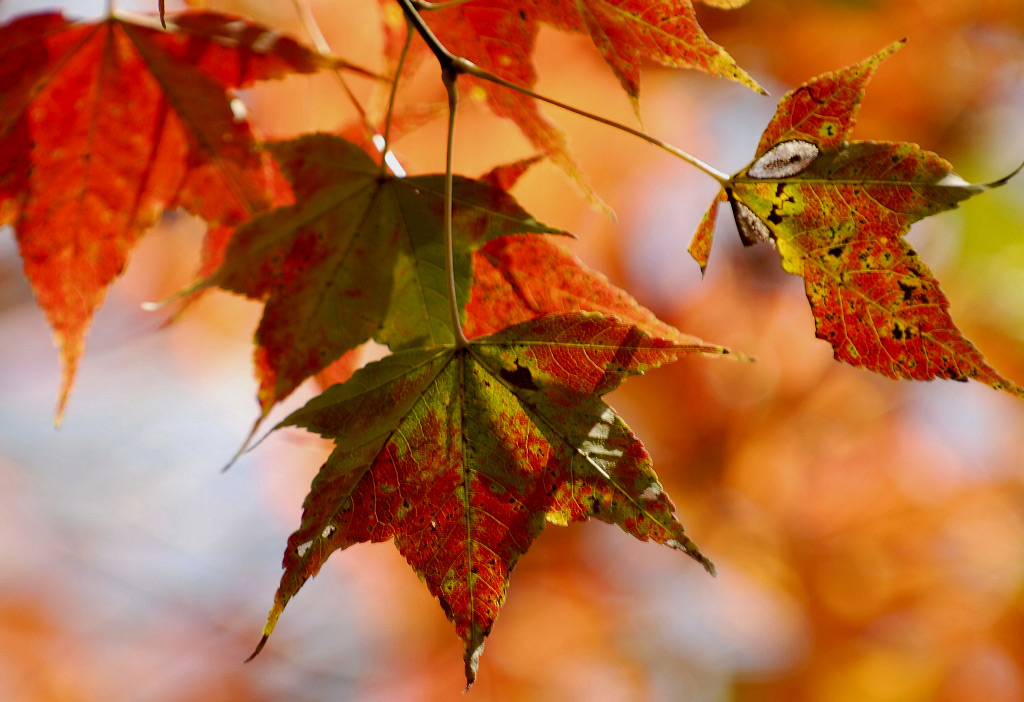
1005 179
474 639
474 649
70 352
891 49
740 356
268 628
259 647
684 544
245 444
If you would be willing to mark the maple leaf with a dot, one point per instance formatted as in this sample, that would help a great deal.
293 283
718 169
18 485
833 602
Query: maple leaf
462 455
837 211
360 254
499 36
105 125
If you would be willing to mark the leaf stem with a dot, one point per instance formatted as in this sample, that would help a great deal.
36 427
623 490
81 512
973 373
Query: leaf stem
451 85
323 47
385 148
457 65
450 70
311 26
468 67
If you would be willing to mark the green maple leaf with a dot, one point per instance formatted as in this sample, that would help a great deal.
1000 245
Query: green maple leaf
463 455
838 212
360 254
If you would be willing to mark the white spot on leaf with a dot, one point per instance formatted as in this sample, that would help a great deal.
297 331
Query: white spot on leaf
752 229
651 493
783 160
303 548
328 531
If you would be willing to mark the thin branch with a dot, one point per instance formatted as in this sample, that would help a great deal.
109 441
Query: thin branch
444 57
451 85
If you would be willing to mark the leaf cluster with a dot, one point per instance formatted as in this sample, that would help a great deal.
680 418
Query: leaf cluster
486 421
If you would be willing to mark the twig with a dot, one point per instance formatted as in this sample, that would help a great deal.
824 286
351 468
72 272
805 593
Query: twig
458 65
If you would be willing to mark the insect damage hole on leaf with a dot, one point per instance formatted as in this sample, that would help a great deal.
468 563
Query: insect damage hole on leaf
784 160
752 230
838 211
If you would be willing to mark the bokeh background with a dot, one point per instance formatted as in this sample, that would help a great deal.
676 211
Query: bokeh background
869 534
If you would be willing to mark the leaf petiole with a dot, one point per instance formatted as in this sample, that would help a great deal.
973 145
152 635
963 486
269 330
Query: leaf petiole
457 65
320 43
451 85
470 68
386 146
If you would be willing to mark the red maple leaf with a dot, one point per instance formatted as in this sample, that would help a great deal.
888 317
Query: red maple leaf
837 211
462 456
519 278
105 125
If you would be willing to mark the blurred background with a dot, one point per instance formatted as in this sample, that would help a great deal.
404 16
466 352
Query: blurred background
869 534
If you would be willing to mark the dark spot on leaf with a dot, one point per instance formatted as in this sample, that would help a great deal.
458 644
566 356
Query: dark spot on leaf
519 378
897 332
908 291
775 217
836 251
